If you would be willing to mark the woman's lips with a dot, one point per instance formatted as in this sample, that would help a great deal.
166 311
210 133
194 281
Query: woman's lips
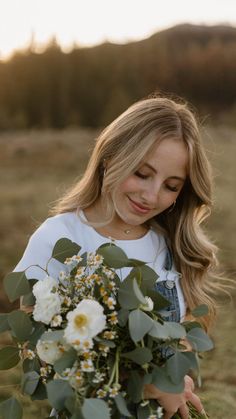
138 207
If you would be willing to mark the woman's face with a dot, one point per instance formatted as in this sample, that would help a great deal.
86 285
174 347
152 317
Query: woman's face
154 186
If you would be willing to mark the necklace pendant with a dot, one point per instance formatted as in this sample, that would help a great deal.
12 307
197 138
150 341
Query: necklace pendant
127 231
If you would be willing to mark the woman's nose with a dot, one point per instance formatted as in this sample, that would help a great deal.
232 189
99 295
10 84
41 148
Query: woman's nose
151 194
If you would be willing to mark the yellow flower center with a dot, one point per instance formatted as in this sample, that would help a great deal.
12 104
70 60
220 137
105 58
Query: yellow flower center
80 320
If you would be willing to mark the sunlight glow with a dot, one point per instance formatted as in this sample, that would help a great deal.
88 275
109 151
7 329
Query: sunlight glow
95 21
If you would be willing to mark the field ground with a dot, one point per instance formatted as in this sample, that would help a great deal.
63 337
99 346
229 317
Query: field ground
36 167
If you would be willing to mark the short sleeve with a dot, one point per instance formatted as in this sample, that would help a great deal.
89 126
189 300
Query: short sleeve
39 250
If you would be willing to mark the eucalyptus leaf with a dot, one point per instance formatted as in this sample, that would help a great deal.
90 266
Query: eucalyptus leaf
9 357
160 302
29 382
139 355
199 340
10 409
4 325
58 391
193 359
121 405
65 248
200 310
38 330
65 361
162 380
135 386
175 330
143 412
40 393
126 296
16 284
139 324
113 256
31 365
95 408
123 315
21 324
28 299
159 331
138 292
177 367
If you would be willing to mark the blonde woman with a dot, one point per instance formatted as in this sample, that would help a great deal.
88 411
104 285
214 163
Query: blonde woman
147 187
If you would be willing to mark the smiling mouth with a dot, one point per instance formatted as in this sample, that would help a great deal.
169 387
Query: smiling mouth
139 208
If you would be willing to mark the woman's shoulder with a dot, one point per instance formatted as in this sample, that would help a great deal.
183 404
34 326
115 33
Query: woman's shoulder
58 224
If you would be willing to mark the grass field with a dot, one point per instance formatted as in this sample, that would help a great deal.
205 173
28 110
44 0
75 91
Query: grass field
37 167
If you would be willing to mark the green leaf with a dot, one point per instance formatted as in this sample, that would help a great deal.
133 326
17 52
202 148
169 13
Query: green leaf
28 299
16 284
126 296
138 293
177 367
21 324
160 302
113 256
199 340
4 325
123 315
193 360
29 382
200 310
95 408
175 330
40 392
143 412
31 365
58 391
66 361
65 248
38 330
9 357
121 405
135 386
161 379
139 324
159 331
139 355
10 409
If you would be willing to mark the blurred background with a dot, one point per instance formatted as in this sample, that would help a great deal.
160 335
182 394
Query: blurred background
67 68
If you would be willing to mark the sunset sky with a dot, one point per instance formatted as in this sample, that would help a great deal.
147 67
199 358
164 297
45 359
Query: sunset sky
90 22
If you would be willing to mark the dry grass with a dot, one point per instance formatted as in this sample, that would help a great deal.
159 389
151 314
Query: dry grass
37 167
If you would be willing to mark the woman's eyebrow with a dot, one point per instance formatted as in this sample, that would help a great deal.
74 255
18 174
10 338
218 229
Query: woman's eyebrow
171 177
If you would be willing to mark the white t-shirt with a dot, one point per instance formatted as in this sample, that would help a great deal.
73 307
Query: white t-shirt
150 248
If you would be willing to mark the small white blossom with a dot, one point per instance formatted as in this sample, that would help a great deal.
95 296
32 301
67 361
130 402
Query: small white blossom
148 306
160 412
56 320
48 301
49 351
85 321
87 365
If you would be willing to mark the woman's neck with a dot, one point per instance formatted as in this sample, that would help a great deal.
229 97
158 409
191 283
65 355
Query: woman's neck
117 229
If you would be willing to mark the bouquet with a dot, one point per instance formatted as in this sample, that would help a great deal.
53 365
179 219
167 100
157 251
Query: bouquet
92 341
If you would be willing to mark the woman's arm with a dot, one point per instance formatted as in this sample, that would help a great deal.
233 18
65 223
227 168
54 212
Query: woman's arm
173 403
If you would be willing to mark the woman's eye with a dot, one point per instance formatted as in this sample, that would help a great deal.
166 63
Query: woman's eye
172 188
141 175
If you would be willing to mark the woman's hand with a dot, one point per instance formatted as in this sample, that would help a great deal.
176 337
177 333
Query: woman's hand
173 403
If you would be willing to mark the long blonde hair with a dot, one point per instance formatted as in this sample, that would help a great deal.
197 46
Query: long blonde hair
124 143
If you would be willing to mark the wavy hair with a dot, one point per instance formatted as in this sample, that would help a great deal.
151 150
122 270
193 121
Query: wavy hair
125 143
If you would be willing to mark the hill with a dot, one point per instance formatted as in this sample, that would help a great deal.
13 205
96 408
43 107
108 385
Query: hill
90 86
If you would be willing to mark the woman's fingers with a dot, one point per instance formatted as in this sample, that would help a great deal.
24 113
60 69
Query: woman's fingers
196 402
183 411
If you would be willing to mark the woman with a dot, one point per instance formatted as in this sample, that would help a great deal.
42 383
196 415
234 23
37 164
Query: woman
147 187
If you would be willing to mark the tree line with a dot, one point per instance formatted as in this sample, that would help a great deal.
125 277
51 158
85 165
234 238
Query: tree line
91 86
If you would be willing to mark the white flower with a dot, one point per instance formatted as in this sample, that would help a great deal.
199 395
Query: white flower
148 306
48 301
56 320
85 321
49 351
